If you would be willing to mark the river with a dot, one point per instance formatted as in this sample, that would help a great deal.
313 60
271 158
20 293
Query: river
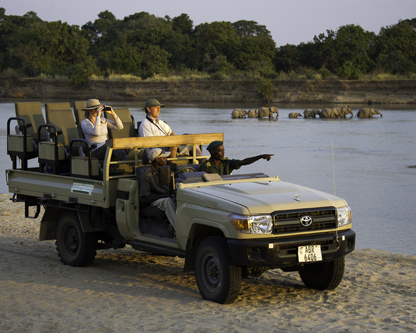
371 163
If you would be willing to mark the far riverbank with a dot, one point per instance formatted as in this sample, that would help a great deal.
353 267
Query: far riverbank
293 91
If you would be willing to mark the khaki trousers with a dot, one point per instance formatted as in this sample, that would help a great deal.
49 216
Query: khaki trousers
169 207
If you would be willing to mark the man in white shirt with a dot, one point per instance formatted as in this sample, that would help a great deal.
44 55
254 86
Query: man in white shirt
153 126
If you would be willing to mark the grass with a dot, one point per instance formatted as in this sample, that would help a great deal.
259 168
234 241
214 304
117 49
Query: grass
194 75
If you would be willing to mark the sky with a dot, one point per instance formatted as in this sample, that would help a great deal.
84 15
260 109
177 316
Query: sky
289 21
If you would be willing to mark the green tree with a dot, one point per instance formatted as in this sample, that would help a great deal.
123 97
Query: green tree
352 44
326 52
218 65
250 29
135 45
307 55
180 48
396 48
179 43
183 24
265 88
97 30
411 22
214 39
155 61
349 72
81 72
9 25
41 46
287 58
123 58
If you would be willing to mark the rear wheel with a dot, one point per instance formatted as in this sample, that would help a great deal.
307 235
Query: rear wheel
324 275
217 279
75 247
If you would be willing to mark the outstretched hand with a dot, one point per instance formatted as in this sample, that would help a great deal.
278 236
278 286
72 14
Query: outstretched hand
250 160
267 156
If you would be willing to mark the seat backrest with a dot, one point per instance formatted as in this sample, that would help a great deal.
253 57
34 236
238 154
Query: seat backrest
128 131
80 105
57 106
79 117
31 112
64 121
128 123
123 113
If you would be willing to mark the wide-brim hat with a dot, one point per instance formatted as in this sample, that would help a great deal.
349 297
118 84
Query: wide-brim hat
92 104
214 144
157 152
152 102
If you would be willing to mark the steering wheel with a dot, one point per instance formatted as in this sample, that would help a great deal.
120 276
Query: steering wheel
184 170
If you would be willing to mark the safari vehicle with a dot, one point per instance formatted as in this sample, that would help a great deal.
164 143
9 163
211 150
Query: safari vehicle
227 227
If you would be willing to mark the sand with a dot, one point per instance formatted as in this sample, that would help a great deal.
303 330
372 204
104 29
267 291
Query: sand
130 291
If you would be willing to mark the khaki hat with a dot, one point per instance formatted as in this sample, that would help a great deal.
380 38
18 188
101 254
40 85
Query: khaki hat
152 102
92 104
157 152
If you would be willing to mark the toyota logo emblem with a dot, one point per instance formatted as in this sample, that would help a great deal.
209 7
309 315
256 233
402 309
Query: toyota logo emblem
306 221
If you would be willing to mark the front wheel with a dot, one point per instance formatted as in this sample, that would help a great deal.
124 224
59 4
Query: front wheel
217 279
323 275
75 247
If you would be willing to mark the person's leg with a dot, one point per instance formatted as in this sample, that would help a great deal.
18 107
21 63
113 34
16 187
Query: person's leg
169 207
120 154
99 153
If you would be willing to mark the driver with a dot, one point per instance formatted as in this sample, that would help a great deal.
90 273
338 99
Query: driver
151 192
218 163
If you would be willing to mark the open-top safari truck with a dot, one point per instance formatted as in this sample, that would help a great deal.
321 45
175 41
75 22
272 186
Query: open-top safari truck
227 227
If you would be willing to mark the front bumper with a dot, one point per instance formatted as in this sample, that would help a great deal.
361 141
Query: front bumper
278 253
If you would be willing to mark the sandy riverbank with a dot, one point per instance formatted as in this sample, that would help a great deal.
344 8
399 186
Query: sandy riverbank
129 291
291 91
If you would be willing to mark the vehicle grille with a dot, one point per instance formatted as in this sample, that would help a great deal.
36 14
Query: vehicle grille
289 221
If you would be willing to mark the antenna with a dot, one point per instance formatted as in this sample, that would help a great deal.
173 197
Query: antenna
333 165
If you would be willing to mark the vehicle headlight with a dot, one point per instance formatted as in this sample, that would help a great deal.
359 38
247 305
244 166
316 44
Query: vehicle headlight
344 216
259 224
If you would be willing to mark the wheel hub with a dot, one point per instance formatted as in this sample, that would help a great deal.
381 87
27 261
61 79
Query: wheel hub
72 240
212 271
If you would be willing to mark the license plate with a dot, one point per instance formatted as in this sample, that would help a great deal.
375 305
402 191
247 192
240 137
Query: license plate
309 253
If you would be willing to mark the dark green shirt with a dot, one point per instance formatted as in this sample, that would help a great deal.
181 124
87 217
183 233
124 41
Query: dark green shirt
225 167
149 183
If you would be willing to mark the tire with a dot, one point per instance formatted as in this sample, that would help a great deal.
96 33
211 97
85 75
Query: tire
217 279
324 275
75 247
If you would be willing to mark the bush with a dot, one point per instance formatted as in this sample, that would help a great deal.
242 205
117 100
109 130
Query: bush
324 72
83 71
349 72
218 65
11 76
265 88
262 69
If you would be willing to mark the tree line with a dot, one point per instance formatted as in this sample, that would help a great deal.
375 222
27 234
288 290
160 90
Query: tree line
144 45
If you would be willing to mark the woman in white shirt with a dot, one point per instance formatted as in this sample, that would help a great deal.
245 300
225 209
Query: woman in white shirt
95 128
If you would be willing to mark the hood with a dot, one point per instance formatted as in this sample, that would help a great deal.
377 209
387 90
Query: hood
264 197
